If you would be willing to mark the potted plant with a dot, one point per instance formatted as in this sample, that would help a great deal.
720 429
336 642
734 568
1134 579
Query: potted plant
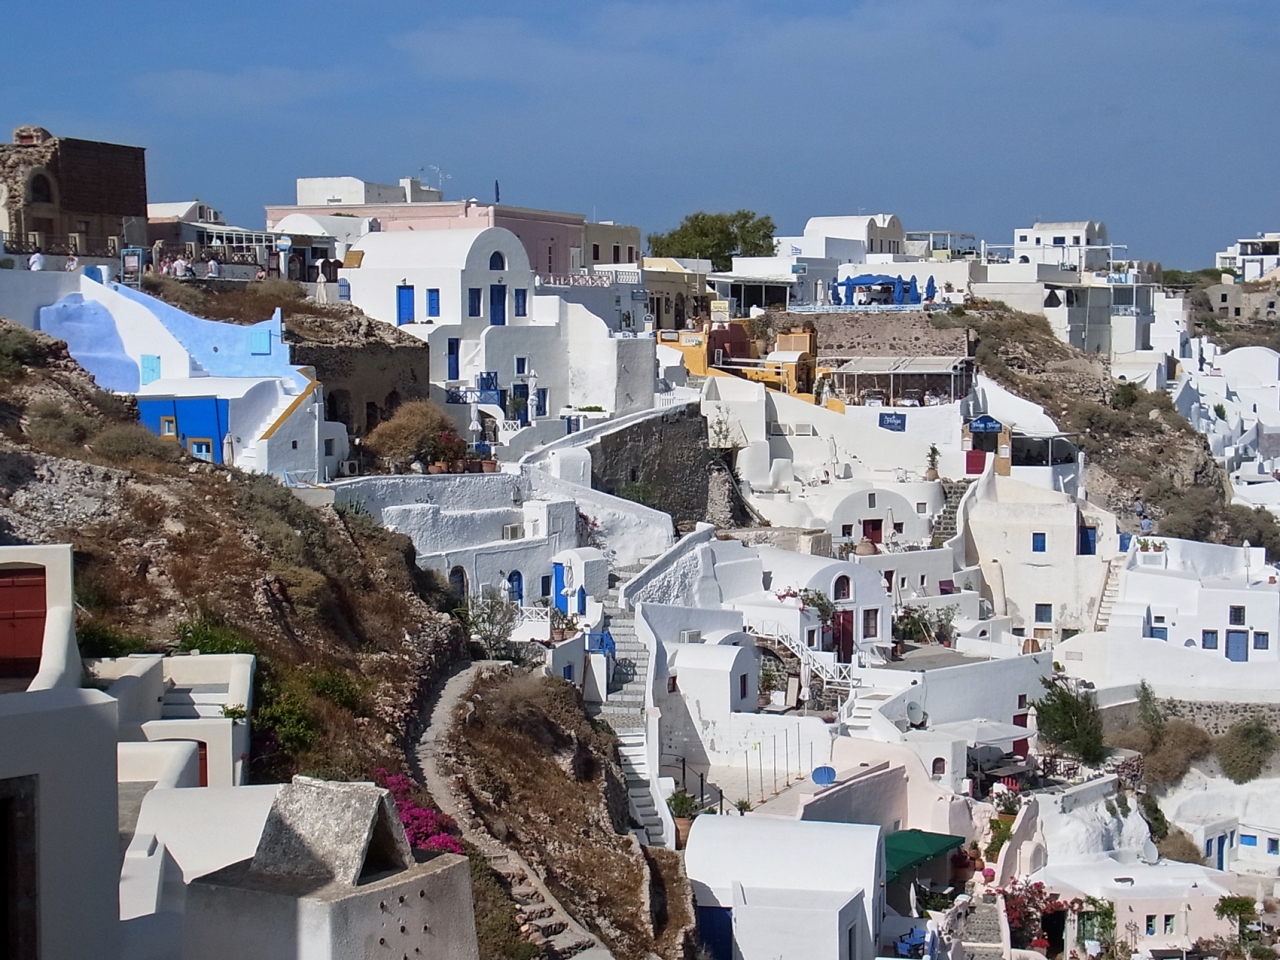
1144 544
975 855
437 467
682 807
1007 806
932 459
743 806
488 466
563 625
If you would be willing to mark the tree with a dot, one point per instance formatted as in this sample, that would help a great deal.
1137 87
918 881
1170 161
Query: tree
717 237
1150 716
1070 721
1245 749
1239 909
419 431
490 619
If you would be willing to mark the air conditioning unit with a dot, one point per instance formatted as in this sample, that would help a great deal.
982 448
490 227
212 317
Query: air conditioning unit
513 531
805 430
690 636
349 468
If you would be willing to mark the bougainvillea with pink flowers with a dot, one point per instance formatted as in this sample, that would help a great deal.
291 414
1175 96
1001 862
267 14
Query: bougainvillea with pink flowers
425 828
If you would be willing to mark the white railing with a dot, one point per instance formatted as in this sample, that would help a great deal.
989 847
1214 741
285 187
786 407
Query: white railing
831 674
534 615
512 426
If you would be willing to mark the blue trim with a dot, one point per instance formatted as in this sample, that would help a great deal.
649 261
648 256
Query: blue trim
404 305
473 301
433 302
602 643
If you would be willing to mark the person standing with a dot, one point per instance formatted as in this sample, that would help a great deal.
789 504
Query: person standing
36 260
72 264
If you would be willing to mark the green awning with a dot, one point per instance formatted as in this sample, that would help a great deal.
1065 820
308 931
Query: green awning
910 848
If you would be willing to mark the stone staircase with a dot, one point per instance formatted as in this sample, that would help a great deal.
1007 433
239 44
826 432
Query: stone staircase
1110 593
980 934
944 527
624 708
542 922
640 793
867 701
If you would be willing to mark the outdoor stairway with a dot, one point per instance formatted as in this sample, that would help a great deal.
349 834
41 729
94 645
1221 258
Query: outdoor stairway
1110 593
945 526
545 925
194 700
980 934
624 708
635 767
866 702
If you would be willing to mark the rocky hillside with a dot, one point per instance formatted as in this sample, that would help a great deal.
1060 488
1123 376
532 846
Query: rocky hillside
178 554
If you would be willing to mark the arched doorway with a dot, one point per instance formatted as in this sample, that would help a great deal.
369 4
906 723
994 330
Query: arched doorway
458 583
515 587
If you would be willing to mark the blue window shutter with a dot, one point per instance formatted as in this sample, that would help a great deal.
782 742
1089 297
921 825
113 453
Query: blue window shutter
433 303
260 342
522 302
150 368
473 301
1037 543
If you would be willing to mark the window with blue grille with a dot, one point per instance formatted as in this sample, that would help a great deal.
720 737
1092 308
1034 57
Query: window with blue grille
433 302
473 302
1273 845
522 302
1248 840
1037 543
1044 613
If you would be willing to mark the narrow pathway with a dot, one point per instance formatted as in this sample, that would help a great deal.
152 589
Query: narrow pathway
557 932
980 934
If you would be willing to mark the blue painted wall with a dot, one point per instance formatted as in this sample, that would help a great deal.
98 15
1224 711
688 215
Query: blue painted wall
223 349
90 332
197 417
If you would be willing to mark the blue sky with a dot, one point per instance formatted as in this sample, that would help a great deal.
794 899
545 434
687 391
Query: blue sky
979 115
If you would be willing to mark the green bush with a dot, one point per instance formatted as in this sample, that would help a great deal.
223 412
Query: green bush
210 633
18 348
1070 721
129 442
1156 820
97 640
1245 749
1001 831
336 687
51 425
295 728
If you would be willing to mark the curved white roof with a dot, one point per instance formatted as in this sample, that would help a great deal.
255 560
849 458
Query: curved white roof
774 854
318 225
704 656
441 249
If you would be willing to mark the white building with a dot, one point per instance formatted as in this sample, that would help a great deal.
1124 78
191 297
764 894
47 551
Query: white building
343 191
1078 245
1251 257
767 888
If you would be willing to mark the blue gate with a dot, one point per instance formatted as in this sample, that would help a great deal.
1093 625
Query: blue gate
453 359
404 305
515 587
497 305
557 588
1238 645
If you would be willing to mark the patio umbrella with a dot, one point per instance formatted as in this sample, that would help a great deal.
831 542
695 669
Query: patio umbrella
898 289
930 290
913 290
848 289
982 732
835 293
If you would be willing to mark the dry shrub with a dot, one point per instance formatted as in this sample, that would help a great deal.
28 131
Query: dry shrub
414 433
1169 762
1179 846
1245 749
53 426
1130 738
128 443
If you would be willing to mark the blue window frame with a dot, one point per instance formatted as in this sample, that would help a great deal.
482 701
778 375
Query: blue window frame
1044 613
1261 640
1209 639
473 301
1037 543
521 302
433 302
1273 845
1208 848
522 366
497 261
1248 840
568 668
404 304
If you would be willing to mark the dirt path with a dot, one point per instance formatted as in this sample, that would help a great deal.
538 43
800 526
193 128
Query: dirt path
558 932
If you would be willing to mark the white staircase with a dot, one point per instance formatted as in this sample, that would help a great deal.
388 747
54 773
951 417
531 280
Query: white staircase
641 796
1110 593
624 708
860 709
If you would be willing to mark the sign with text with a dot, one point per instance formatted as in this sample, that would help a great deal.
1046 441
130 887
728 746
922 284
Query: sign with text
719 311
897 422
985 424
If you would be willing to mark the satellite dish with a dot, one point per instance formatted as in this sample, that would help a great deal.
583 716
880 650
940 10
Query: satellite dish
824 776
915 713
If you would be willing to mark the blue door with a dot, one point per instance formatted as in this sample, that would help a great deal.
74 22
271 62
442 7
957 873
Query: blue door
515 587
522 390
582 600
567 672
150 368
344 289
1088 541
557 588
1238 645
404 305
453 359
497 305
1222 844
540 408
1160 633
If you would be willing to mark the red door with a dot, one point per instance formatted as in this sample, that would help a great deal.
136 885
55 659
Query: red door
22 612
1020 746
975 461
842 629
873 530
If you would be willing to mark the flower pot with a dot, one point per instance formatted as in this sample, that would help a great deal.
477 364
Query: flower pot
488 466
978 864
1007 817
471 466
931 473
435 468
458 466
683 826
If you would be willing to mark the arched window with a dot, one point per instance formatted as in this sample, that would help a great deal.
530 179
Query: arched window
841 590
458 582
939 767
497 261
40 189
515 587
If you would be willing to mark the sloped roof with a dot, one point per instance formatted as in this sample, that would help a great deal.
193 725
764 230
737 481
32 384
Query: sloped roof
910 848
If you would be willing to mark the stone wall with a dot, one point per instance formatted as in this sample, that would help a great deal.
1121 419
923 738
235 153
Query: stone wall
1214 717
665 463
879 334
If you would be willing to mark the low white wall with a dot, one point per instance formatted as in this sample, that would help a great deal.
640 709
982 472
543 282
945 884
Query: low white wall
167 765
627 531
23 292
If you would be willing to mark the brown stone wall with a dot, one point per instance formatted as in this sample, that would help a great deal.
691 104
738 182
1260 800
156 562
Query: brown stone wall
879 334
364 384
98 182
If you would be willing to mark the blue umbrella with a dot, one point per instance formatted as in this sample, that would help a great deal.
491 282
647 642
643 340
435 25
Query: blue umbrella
898 289
835 293
930 290
848 284
913 290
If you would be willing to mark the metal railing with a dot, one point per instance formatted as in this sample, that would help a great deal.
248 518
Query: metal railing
472 395
602 643
863 307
